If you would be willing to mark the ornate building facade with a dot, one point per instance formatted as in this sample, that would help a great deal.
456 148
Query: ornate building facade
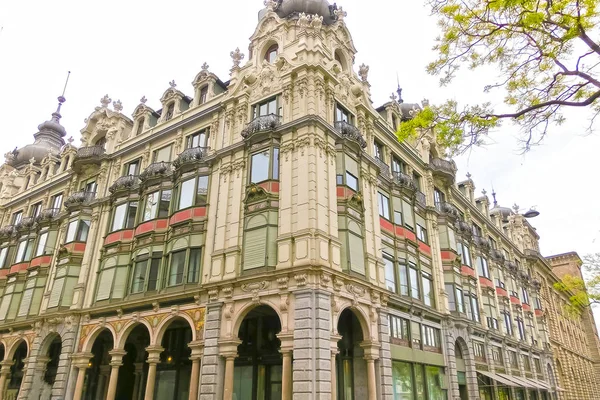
267 238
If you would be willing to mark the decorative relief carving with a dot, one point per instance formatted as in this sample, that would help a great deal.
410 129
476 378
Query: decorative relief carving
338 283
213 295
301 279
228 292
325 280
286 149
283 282
237 56
363 72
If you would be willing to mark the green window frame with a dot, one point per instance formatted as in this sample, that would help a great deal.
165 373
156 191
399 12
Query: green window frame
124 216
384 205
184 266
78 230
193 192
145 273
200 138
157 205
24 250
264 165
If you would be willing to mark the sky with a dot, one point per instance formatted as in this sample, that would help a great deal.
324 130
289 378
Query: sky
129 49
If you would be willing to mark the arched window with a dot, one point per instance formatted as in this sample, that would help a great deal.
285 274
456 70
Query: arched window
101 141
271 53
340 59
140 127
170 111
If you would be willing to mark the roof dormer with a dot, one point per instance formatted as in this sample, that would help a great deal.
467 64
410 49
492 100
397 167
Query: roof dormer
174 102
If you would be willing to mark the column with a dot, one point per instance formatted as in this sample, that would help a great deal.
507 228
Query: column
82 363
197 350
4 373
371 379
334 353
153 360
286 377
116 360
229 366
139 372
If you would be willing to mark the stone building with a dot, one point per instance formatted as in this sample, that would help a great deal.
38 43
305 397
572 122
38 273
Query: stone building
265 238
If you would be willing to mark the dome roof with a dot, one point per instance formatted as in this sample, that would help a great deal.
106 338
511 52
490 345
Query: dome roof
291 8
36 151
53 125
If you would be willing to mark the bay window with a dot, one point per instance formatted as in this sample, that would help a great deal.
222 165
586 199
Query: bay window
413 273
465 253
124 216
403 272
384 205
198 139
264 165
43 247
78 230
347 171
427 282
24 250
145 273
460 300
193 192
4 257
162 154
157 205
265 108
184 267
421 231
390 273
482 267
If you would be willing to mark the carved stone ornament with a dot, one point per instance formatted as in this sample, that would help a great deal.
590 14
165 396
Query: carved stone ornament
340 14
338 283
228 292
213 295
325 280
237 56
301 279
105 101
143 100
283 282
118 106
363 72
255 286
271 5
355 290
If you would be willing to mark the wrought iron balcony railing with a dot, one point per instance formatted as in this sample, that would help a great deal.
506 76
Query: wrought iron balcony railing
350 132
25 223
80 198
447 209
7 230
190 156
421 199
481 242
404 180
262 123
89 152
464 228
157 170
47 214
126 182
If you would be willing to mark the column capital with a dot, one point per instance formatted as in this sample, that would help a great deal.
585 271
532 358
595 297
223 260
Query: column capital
154 354
116 357
371 349
6 365
82 360
197 348
229 346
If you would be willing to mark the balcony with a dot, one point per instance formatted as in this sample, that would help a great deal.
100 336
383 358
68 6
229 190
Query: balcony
48 214
447 209
80 198
124 183
444 168
497 255
421 199
481 242
404 180
262 123
7 231
350 132
464 228
156 170
25 223
190 157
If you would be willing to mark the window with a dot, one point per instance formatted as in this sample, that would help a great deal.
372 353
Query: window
193 192
526 362
390 273
460 300
417 381
41 246
403 272
417 180
17 217
351 181
512 358
57 201
89 186
36 209
3 257
132 168
397 165
384 206
421 233
438 197
476 230
162 155
415 335
145 273
157 205
265 166
538 365
427 282
497 355
170 111
342 115
399 329
78 231
378 150
507 323
537 303
415 290
198 139
525 295
124 216
431 337
203 95
492 323
266 107
482 267
140 126
521 327
479 350
475 308
465 253
271 53
24 250
177 270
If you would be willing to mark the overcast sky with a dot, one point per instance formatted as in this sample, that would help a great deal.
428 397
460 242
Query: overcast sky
128 49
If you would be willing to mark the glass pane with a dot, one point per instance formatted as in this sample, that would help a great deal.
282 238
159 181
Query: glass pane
194 266
139 276
131 213
242 383
434 379
402 380
390 277
119 217
347 369
202 190
414 283
133 168
276 163
163 154
403 280
3 253
84 228
153 274
165 384
263 109
71 231
165 201
57 202
419 382
186 196
28 250
151 206
260 167
21 251
177 266
351 181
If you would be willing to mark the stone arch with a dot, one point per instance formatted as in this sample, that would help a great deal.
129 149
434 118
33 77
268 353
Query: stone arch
93 335
127 329
47 341
360 315
341 58
164 325
9 354
266 46
245 310
463 346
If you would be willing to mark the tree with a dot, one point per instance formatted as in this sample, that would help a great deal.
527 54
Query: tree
582 293
547 55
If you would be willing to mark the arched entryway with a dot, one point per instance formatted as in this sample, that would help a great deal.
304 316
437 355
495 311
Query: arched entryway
134 369
175 367
258 367
98 371
460 348
351 366
17 371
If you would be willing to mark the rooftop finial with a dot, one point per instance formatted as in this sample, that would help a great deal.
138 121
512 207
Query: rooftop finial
61 99
494 196
399 90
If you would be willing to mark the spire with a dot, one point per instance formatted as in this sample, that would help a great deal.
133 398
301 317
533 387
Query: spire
494 196
61 99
